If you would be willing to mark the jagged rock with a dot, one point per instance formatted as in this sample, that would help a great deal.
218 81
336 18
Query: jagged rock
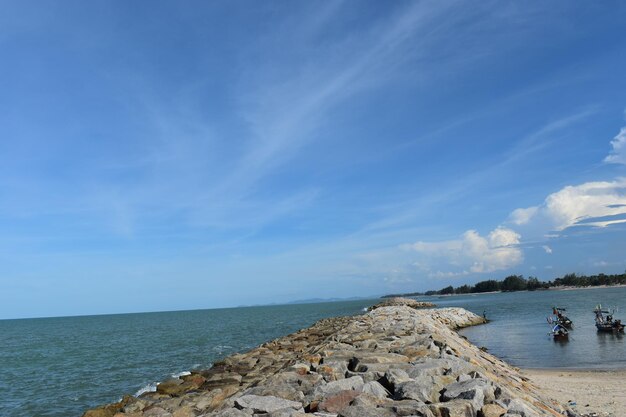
108 410
380 368
286 391
492 410
175 386
332 370
134 405
516 407
286 413
265 404
231 412
213 399
362 411
368 400
156 412
400 301
476 390
410 408
395 377
337 402
454 408
425 389
374 388
353 383
366 376
184 411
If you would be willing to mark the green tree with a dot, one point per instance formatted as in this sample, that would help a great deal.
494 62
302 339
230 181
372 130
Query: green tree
447 290
487 286
514 283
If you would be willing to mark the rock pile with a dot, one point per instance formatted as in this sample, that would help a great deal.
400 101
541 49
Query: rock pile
393 361
400 301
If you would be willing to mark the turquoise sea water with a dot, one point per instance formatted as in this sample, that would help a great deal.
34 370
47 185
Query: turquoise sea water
62 366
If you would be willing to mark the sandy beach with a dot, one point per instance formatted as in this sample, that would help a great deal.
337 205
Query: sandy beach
599 392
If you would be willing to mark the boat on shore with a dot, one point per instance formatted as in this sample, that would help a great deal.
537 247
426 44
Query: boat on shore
605 321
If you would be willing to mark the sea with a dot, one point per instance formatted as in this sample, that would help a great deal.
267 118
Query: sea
64 365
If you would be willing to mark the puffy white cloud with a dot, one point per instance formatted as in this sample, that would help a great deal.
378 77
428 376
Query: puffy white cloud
597 204
618 153
523 215
473 253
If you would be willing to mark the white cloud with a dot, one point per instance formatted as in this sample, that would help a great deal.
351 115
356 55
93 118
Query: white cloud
547 248
523 215
473 253
618 153
597 204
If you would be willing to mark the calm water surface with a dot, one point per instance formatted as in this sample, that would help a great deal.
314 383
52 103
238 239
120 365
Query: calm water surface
518 332
62 366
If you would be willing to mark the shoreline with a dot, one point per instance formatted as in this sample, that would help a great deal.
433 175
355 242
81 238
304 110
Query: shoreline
561 288
585 391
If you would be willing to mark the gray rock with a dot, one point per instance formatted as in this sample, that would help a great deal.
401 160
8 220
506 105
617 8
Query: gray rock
478 391
380 367
230 412
367 376
439 366
368 400
517 407
424 389
265 404
157 412
353 383
285 391
410 408
289 412
362 411
454 408
374 388
396 376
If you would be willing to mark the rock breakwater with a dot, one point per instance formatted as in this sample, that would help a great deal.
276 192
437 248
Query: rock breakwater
400 301
392 361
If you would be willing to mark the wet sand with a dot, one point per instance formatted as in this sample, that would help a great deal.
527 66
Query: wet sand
592 391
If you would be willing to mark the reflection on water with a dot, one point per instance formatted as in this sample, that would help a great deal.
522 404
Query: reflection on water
519 333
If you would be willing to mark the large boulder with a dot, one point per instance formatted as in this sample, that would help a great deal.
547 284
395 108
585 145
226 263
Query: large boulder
265 404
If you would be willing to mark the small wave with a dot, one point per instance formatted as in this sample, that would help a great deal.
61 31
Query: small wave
179 374
151 387
221 348
364 309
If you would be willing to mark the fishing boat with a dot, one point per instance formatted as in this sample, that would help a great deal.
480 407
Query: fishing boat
559 332
605 321
561 318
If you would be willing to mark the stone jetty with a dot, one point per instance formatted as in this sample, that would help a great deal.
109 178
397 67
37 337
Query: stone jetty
399 301
392 361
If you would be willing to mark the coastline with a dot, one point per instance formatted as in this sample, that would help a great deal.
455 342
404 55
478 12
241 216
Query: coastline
392 361
561 288
585 391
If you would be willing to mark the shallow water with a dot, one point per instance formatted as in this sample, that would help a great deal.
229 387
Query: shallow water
62 366
518 331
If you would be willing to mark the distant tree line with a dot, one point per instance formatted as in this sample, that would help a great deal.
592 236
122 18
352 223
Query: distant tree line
519 283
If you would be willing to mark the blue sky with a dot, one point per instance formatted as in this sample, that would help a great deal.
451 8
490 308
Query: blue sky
167 155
